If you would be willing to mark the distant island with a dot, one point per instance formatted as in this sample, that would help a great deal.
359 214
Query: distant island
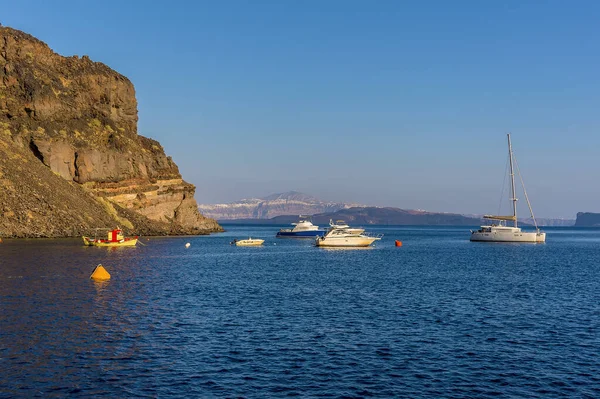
587 219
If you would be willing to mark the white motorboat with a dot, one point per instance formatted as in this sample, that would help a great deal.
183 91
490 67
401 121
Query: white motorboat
340 224
498 231
304 228
342 235
250 242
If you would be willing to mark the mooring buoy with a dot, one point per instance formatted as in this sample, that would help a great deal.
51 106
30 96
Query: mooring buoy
100 274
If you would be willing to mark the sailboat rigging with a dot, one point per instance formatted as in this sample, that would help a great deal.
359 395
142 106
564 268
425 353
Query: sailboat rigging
500 232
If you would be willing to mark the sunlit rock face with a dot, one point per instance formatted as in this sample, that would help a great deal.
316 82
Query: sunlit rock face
78 118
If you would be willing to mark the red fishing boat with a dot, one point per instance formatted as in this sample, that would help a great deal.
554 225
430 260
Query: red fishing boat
115 239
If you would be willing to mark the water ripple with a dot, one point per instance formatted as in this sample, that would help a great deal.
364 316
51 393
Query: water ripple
438 317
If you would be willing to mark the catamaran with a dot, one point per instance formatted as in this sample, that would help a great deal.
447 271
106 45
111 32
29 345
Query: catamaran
500 232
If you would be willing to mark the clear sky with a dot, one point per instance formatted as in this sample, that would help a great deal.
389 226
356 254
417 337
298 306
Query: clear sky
390 103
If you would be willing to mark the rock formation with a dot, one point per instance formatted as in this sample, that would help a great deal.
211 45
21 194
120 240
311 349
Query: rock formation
587 219
70 155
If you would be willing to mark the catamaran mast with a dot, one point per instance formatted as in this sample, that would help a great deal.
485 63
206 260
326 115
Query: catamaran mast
512 180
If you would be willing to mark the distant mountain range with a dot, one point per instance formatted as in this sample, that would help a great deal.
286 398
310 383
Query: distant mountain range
284 208
289 203
374 215
394 216
554 222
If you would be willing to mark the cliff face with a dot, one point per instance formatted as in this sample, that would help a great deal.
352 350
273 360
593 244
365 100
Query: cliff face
290 203
78 119
587 219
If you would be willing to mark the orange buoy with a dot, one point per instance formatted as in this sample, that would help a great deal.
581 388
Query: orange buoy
398 243
100 274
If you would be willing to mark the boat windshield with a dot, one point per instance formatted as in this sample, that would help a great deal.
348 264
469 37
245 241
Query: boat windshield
497 223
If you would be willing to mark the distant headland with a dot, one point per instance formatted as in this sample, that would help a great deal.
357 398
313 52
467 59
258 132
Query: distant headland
587 219
71 159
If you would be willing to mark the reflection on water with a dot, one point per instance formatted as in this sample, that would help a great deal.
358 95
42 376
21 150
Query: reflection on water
100 286
438 317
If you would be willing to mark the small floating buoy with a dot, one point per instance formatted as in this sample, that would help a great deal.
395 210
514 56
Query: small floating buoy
398 243
187 245
100 274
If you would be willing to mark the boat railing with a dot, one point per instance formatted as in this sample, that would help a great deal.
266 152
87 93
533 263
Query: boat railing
372 235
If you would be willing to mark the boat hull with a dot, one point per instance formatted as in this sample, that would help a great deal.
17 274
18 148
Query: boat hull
346 242
301 234
128 242
496 236
249 243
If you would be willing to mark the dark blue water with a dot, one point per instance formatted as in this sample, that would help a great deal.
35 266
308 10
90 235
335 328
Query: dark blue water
438 317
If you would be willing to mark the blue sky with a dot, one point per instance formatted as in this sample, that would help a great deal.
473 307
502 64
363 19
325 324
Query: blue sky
387 103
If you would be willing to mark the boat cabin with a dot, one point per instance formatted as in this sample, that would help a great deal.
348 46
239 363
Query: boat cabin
115 235
499 228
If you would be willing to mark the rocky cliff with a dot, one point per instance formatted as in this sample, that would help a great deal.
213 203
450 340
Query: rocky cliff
289 203
587 219
71 156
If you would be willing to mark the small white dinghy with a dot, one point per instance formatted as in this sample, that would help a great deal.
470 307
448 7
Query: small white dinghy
250 242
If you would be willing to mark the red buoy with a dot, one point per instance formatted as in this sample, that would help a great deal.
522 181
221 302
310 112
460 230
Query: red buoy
398 243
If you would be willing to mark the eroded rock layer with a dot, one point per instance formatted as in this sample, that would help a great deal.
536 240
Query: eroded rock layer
78 120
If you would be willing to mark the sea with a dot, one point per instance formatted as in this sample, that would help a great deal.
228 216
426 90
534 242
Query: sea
438 317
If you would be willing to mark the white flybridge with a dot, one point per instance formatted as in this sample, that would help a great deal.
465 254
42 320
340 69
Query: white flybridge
500 232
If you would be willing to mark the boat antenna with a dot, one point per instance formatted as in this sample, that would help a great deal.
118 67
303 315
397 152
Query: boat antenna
526 197
512 179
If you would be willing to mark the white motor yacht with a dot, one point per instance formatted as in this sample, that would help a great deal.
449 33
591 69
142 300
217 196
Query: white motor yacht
304 228
342 235
341 225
